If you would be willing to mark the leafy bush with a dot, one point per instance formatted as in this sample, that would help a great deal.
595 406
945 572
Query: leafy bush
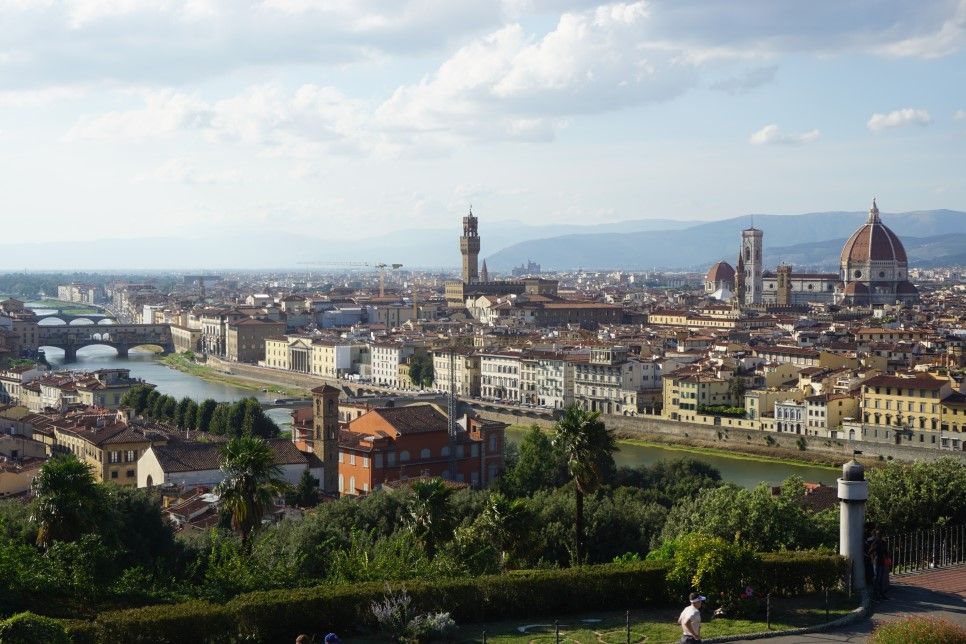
396 618
922 630
28 628
798 572
278 615
711 565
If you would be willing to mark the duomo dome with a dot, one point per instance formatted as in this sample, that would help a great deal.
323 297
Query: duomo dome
873 266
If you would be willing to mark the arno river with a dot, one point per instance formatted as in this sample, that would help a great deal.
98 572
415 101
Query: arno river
143 364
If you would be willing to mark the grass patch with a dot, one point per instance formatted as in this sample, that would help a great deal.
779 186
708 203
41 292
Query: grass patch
733 453
652 625
182 363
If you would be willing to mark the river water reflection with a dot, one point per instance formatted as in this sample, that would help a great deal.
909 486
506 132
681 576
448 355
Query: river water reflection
144 364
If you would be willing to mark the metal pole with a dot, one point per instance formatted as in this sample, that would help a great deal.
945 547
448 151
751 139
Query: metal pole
627 622
768 612
484 636
556 631
827 615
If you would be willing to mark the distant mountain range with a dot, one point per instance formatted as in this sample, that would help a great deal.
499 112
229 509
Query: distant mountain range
925 252
809 239
268 249
935 237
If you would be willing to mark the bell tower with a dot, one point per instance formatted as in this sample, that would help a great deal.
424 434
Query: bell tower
751 250
470 248
784 295
325 435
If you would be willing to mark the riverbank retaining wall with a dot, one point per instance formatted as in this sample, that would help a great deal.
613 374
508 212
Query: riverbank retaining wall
784 445
640 427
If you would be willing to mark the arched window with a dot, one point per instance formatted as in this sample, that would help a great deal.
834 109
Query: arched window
425 453
444 451
403 456
352 484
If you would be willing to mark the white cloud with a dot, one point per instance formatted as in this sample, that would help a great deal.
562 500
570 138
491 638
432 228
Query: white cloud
746 81
509 85
262 115
771 134
506 85
159 42
898 118
164 112
181 171
41 97
960 115
164 42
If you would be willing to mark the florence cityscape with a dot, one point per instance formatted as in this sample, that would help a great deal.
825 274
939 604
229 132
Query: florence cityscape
489 320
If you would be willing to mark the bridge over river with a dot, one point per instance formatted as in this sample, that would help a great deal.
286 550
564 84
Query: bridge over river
122 337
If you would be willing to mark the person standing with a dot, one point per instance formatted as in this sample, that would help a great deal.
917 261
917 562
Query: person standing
690 620
878 553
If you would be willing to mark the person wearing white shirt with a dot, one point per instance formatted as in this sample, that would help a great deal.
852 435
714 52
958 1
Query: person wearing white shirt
690 620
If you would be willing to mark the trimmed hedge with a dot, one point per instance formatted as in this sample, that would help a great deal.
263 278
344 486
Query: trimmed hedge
28 628
279 615
796 572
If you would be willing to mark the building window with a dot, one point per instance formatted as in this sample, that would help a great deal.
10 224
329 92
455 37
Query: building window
365 462
130 456
114 474
130 474
425 453
340 457
352 459
404 456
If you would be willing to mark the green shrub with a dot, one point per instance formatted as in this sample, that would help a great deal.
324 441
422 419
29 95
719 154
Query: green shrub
711 565
714 566
796 572
81 631
921 630
167 624
28 628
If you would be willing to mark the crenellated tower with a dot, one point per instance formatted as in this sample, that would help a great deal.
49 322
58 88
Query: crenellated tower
470 248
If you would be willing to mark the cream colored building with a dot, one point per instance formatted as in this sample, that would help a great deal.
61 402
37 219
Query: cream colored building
467 371
112 451
685 391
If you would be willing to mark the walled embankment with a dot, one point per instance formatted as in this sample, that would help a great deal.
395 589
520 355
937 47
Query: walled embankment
646 428
753 441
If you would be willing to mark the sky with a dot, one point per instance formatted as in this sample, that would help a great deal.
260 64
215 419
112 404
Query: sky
343 118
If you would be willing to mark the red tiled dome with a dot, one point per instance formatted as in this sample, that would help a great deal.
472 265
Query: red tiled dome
856 288
873 242
906 288
721 272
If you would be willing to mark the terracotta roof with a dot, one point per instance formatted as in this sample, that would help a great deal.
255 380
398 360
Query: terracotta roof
188 457
873 241
414 419
721 272
191 456
911 382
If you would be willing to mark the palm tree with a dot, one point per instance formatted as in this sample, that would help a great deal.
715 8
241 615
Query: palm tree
428 513
586 444
68 500
252 480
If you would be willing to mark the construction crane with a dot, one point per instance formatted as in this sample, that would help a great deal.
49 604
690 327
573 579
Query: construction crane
381 266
